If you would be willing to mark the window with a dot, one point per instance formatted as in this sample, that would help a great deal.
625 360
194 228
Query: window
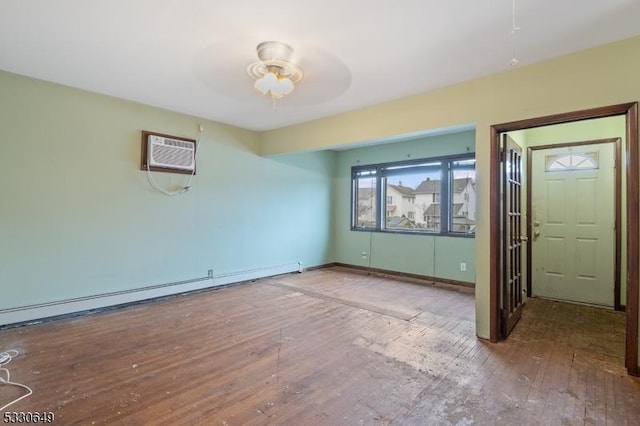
365 193
420 196
571 161
463 196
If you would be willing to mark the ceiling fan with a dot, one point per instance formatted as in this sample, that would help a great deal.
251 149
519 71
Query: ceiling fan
275 73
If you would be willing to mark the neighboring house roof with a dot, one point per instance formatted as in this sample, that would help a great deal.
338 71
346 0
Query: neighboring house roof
433 210
432 186
457 209
364 193
396 221
463 221
460 184
404 190
428 187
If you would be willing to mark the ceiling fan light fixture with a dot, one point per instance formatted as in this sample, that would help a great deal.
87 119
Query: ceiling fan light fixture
274 84
274 73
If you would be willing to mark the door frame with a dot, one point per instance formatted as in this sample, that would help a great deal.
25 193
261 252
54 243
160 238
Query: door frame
630 111
617 214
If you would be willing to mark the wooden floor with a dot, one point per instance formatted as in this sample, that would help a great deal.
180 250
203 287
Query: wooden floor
327 347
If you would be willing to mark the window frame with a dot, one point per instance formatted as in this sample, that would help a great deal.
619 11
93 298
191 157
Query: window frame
380 171
354 196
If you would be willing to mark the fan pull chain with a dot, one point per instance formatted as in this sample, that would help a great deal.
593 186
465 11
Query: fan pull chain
514 60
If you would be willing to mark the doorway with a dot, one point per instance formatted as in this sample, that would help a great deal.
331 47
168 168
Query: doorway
573 222
631 196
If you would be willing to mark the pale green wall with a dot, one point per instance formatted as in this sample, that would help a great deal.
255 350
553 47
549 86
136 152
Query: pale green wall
604 75
79 218
602 128
432 256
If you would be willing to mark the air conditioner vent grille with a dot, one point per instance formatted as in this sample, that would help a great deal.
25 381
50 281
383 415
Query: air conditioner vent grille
171 153
174 142
172 156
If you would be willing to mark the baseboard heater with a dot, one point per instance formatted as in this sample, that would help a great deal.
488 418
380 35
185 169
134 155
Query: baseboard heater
31 313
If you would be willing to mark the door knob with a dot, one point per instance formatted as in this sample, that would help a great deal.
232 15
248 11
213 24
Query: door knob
536 234
523 239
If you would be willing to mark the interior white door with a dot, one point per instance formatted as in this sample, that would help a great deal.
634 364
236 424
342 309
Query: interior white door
573 209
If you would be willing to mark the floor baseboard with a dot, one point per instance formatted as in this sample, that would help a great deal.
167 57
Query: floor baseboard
422 279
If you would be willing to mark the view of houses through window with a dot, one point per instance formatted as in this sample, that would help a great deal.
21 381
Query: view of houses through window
365 188
425 196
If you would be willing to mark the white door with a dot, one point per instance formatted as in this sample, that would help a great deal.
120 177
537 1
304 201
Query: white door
573 218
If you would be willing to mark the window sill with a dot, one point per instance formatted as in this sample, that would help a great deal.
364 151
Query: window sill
423 233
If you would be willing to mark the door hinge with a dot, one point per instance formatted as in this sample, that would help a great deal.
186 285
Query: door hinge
505 313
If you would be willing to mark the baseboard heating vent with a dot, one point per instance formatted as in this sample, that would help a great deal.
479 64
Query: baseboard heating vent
254 274
23 314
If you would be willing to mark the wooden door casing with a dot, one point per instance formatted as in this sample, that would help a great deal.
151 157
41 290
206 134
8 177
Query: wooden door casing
631 194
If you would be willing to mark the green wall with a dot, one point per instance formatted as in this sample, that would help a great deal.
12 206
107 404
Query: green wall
429 255
78 217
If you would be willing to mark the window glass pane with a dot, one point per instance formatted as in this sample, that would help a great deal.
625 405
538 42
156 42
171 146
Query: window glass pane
365 194
471 164
571 161
462 205
413 168
427 202
400 208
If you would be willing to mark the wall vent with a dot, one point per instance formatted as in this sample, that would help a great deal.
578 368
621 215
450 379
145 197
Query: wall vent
168 153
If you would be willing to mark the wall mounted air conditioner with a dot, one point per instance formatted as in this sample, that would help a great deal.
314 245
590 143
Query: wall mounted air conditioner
168 153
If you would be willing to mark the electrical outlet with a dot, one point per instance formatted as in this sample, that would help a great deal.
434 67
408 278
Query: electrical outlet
210 273
364 254
463 266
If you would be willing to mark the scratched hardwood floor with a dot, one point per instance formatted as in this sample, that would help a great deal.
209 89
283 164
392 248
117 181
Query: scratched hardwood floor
326 347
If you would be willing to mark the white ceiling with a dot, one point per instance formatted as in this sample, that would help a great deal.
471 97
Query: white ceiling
191 56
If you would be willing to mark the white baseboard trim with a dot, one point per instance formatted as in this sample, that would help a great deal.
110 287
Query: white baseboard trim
33 313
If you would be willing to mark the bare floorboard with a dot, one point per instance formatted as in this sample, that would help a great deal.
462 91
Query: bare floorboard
326 347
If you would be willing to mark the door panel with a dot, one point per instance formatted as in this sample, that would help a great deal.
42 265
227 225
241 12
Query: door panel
555 196
554 252
586 258
512 236
573 249
586 213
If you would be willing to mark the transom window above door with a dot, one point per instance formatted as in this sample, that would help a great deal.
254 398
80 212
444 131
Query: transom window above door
571 161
